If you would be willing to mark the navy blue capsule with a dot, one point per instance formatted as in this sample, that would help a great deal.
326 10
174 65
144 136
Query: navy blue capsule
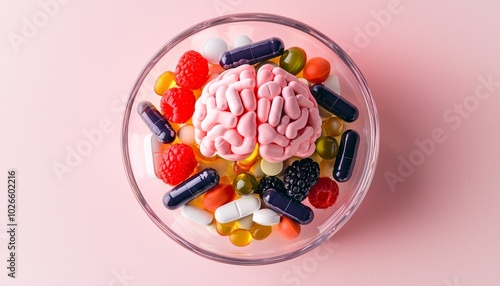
193 187
252 53
346 157
158 124
334 103
287 206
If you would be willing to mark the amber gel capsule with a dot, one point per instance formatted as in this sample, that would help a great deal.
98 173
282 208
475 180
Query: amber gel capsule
334 103
158 124
252 53
346 157
193 187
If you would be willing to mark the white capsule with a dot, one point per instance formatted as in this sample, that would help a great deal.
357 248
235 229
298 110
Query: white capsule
237 209
213 48
197 215
266 217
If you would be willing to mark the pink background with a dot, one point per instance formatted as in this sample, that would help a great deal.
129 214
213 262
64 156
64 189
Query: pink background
438 225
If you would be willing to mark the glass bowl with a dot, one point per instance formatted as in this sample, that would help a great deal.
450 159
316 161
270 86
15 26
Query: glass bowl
149 191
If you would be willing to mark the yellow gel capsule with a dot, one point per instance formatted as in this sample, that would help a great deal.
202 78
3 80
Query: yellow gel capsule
164 82
224 228
333 126
230 173
259 232
246 163
240 237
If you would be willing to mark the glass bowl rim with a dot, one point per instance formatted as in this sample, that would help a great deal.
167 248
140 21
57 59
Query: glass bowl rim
373 148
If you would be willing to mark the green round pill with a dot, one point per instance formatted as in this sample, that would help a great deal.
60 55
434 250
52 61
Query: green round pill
245 184
327 147
293 60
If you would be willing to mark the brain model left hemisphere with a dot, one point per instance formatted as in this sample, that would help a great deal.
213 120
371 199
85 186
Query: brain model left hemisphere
245 134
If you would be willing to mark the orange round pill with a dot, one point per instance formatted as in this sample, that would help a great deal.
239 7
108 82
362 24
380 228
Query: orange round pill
287 228
218 196
317 70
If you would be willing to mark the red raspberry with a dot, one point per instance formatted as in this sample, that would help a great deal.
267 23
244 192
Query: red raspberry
177 104
324 194
177 163
192 70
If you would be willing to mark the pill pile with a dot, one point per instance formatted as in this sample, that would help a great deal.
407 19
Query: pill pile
246 134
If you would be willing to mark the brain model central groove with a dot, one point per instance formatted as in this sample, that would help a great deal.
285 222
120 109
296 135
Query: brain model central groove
241 108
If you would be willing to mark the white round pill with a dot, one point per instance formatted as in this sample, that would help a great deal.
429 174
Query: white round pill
197 215
241 40
186 134
266 217
271 169
213 48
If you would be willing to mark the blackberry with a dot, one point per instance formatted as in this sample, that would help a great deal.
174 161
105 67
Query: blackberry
300 177
270 183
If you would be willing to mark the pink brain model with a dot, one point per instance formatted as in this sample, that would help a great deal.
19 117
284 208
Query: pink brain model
239 109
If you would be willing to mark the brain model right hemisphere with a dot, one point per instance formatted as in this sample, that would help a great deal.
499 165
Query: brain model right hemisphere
272 108
244 141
